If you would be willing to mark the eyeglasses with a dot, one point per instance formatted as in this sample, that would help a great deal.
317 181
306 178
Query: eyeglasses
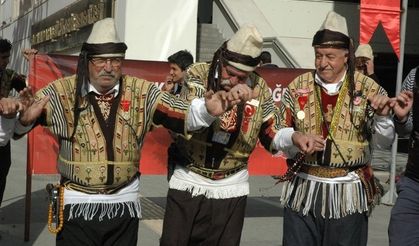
101 62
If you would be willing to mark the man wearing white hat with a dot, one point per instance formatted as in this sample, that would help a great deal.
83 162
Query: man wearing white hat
329 199
364 61
208 190
100 118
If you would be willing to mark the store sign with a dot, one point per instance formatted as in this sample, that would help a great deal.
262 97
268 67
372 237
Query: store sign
70 26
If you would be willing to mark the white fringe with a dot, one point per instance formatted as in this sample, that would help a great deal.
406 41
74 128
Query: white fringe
214 192
339 199
111 210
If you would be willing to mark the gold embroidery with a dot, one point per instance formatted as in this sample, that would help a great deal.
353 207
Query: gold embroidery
104 102
329 113
229 120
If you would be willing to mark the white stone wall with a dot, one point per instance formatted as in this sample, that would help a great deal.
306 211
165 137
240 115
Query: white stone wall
155 29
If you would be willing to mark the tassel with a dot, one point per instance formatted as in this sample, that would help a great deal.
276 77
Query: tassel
211 192
337 199
111 210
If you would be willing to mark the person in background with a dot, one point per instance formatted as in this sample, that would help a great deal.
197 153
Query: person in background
328 200
364 61
208 190
100 117
11 83
404 220
178 62
266 60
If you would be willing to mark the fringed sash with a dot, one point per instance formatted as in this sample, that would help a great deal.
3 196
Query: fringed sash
88 211
233 186
338 199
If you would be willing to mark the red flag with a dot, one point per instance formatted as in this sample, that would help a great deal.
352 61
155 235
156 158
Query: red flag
42 146
385 11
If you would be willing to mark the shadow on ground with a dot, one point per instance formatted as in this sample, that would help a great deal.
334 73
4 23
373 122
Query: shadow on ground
12 217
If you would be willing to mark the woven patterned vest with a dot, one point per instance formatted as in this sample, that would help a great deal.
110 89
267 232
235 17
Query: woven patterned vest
85 159
349 136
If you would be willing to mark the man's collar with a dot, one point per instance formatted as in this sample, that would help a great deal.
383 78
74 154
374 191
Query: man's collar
91 88
331 88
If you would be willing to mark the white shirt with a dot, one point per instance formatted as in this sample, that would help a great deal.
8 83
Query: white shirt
331 88
114 90
10 126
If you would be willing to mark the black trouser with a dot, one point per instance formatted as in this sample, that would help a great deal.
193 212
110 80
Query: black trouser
121 230
404 221
5 162
201 221
310 230
171 163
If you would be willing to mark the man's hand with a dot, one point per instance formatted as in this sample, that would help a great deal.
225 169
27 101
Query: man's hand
169 84
216 103
402 104
29 116
370 67
29 54
381 104
26 97
222 101
240 93
9 107
308 143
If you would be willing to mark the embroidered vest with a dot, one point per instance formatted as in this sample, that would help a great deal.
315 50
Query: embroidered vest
349 137
94 160
227 144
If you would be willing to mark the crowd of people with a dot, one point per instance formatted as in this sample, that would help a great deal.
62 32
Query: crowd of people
328 123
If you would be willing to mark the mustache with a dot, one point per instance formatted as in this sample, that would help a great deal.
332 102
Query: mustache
104 73
324 69
224 82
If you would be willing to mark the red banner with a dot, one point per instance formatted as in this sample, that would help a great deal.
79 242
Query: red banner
385 11
43 148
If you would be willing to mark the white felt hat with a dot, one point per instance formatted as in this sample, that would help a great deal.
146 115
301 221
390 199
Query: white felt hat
335 22
333 32
103 32
364 50
246 41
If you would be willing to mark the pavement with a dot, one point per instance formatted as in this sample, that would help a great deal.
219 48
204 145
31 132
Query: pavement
262 225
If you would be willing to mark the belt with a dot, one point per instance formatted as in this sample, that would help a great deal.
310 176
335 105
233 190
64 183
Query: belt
69 184
215 174
328 172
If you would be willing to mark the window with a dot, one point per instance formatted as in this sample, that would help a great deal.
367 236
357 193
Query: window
24 6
